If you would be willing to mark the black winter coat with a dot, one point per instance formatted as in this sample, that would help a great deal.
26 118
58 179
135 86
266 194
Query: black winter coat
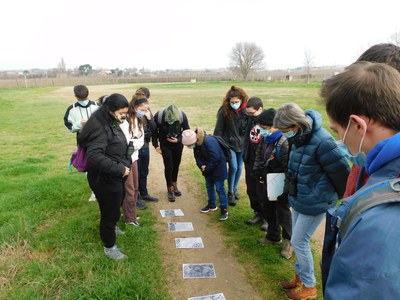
233 134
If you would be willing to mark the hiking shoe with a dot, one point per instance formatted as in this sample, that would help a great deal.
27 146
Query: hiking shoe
264 226
254 220
133 223
140 204
292 283
149 198
171 195
208 208
287 250
236 194
302 293
224 214
176 191
114 253
118 231
92 197
265 241
231 199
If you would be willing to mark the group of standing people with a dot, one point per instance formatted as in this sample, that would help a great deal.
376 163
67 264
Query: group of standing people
363 106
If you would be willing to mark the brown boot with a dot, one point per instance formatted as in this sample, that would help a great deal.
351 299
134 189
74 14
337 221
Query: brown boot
171 196
292 283
176 191
302 293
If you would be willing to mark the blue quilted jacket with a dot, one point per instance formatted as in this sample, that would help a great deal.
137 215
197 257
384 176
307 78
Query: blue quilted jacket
320 170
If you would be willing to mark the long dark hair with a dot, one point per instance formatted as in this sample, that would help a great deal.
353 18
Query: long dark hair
102 117
228 111
136 101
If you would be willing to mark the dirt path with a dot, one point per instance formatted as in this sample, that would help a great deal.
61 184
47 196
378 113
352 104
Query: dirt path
230 275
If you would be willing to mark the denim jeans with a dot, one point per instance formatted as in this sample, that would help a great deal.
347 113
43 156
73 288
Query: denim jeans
218 185
143 169
304 227
235 170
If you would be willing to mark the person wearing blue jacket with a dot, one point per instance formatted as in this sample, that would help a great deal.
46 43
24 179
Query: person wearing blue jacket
316 179
366 264
211 160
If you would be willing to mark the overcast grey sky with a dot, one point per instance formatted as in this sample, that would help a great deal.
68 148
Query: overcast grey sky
162 34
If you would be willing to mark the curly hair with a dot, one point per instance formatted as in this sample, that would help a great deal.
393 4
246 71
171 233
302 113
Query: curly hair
228 111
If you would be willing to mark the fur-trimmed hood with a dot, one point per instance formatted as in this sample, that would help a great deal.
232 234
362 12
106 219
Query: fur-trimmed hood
200 134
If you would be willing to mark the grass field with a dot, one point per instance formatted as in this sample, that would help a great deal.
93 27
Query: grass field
49 241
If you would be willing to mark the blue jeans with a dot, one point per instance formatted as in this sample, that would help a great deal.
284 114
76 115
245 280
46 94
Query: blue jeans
235 170
304 227
143 169
218 185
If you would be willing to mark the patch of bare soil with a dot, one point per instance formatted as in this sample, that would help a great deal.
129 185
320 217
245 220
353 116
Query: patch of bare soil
230 275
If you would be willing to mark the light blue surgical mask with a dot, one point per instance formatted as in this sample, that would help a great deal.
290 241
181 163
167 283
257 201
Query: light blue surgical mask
289 134
265 132
235 106
140 114
84 103
360 157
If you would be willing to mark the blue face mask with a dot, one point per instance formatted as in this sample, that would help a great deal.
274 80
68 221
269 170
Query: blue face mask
235 106
265 132
358 159
140 114
83 103
289 134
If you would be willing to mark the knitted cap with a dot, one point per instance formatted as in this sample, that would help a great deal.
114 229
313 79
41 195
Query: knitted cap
266 117
189 137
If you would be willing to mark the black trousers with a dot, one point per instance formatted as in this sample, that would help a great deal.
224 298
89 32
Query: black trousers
143 169
172 155
251 186
277 214
109 193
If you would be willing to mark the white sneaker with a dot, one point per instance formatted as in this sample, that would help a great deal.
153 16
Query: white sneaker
118 231
114 253
133 223
92 197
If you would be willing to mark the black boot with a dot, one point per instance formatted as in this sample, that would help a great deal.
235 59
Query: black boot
176 191
171 195
236 193
231 199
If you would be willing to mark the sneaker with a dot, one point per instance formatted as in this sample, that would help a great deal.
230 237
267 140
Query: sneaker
231 199
171 195
149 198
264 226
224 214
118 231
140 204
254 220
133 223
177 192
114 253
92 197
236 194
287 250
208 208
265 241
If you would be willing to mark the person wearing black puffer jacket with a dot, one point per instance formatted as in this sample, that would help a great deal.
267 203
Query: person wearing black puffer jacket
231 126
272 157
107 153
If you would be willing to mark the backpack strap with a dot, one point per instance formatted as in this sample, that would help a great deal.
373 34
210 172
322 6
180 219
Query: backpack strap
387 191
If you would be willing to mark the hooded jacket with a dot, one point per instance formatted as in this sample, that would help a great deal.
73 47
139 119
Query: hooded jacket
319 169
208 152
366 264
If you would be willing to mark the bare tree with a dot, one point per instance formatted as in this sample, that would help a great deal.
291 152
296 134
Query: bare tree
246 57
395 38
308 63
61 65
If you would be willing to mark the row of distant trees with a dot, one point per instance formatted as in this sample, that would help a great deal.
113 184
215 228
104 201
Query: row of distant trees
246 57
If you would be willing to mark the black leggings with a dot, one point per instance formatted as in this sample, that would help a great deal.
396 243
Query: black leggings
109 194
172 159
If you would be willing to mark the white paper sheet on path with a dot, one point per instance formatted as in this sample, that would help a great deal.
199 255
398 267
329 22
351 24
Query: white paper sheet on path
219 296
275 183
171 213
191 242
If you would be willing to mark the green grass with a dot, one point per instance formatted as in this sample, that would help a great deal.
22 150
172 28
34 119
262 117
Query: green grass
49 240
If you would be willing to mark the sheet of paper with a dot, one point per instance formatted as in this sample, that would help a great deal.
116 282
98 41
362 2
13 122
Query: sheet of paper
180 226
275 183
198 271
219 296
171 213
192 242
